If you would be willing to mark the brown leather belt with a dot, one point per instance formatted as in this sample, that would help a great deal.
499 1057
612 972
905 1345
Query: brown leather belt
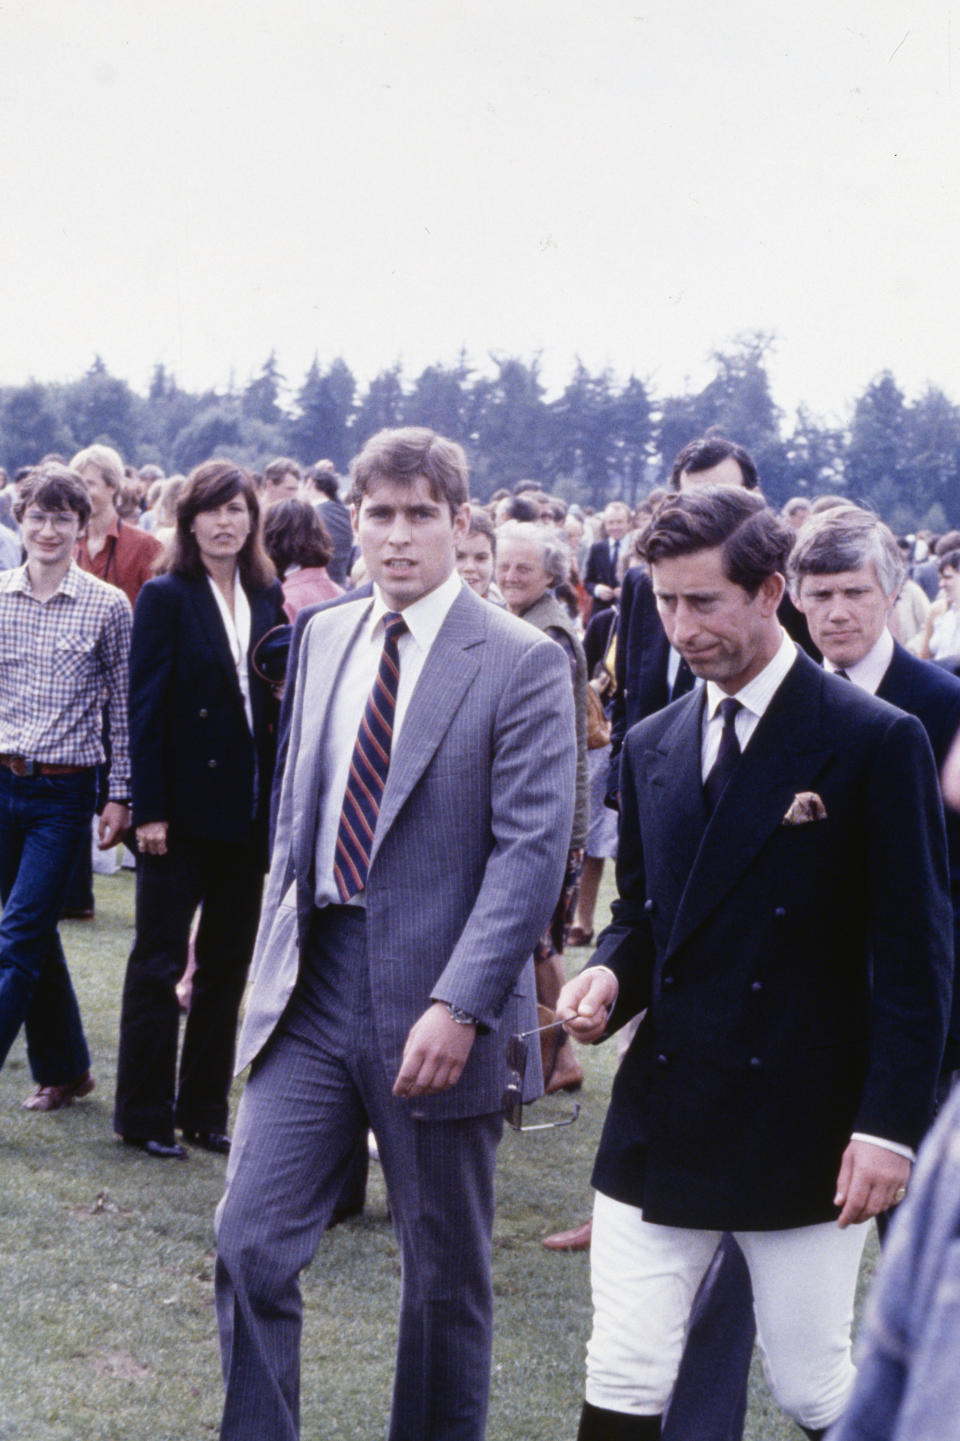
22 767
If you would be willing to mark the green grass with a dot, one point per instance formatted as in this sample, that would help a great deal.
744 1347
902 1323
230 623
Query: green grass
107 1328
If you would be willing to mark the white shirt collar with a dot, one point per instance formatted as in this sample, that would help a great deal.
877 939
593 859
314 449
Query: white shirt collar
870 670
757 694
425 616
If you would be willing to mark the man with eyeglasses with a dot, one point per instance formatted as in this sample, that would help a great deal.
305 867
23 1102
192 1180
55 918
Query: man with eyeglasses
64 645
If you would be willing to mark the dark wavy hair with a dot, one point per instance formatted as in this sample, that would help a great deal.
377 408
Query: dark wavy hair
709 450
756 543
208 487
294 534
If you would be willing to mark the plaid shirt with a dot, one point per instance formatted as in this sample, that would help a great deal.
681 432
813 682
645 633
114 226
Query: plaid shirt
61 661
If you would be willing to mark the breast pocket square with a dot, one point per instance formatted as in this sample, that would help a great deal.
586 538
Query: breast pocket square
806 806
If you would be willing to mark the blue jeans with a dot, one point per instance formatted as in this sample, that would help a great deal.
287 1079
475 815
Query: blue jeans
41 821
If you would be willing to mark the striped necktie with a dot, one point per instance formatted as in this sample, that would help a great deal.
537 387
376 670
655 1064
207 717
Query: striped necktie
368 768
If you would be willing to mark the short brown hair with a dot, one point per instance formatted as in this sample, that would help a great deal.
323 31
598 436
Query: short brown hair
709 450
401 455
755 542
206 488
294 534
52 486
277 469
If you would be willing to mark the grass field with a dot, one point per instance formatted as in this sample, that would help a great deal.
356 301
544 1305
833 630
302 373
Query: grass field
106 1259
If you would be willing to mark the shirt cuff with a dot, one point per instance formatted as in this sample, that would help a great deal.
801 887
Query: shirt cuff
898 1150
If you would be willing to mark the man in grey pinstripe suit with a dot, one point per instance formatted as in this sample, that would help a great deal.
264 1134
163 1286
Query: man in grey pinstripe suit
396 1001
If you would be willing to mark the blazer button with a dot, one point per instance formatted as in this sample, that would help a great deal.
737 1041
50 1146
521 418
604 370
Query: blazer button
211 764
780 913
662 1061
756 987
755 1063
649 906
669 981
202 714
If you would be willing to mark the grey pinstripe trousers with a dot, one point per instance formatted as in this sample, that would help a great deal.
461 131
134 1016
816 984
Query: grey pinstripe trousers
296 1128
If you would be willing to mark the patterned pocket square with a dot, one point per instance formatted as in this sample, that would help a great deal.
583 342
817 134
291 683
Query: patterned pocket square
805 806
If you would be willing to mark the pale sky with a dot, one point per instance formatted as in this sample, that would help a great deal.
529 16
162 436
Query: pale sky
635 184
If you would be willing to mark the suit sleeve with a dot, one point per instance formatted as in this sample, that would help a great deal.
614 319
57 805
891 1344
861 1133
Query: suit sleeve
593 571
532 794
627 945
152 662
911 924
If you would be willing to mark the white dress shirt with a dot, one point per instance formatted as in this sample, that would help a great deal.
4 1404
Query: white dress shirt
424 619
870 670
237 627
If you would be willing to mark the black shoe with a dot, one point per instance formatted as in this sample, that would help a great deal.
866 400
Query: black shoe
209 1141
163 1150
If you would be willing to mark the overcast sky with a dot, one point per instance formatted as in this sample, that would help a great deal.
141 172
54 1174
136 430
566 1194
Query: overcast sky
635 184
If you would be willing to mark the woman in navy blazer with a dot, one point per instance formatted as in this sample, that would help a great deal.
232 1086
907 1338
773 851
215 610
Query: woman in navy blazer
202 737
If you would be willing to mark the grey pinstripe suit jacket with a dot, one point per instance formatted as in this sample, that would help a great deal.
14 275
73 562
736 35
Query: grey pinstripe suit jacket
470 843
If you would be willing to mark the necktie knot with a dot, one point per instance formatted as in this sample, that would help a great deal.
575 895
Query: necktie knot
728 753
394 625
728 710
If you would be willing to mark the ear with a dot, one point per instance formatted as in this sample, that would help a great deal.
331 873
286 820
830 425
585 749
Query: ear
770 593
461 522
354 517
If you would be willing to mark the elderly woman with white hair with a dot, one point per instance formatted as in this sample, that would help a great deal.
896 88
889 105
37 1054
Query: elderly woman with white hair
531 561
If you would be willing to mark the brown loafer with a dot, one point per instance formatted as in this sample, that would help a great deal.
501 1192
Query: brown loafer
577 936
566 1073
54 1098
578 1239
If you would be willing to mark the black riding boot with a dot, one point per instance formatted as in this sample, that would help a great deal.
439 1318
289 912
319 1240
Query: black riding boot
596 1424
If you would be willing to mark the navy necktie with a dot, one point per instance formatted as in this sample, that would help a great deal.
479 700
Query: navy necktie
727 756
368 768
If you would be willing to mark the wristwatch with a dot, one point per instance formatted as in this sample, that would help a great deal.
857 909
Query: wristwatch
458 1014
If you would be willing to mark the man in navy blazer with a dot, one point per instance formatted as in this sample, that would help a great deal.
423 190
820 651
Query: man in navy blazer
846 572
783 919
606 557
650 673
395 1000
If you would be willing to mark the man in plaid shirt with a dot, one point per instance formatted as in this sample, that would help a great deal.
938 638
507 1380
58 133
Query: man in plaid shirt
64 647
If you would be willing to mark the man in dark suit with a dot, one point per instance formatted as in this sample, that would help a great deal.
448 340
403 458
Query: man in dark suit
386 979
335 516
650 672
845 573
783 920
607 556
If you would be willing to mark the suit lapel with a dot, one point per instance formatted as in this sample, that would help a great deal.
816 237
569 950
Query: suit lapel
897 686
674 807
317 684
211 624
785 755
448 672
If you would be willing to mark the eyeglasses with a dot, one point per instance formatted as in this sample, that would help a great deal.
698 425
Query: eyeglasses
60 519
513 1094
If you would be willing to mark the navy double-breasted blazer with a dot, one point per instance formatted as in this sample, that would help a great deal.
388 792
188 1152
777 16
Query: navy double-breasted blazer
194 762
797 977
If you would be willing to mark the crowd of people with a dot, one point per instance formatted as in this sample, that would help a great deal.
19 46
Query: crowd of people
272 694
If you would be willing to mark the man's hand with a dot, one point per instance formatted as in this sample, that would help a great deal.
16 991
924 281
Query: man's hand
152 838
435 1053
869 1180
603 592
585 1004
114 820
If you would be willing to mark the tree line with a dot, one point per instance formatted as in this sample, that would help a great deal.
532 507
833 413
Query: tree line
601 438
